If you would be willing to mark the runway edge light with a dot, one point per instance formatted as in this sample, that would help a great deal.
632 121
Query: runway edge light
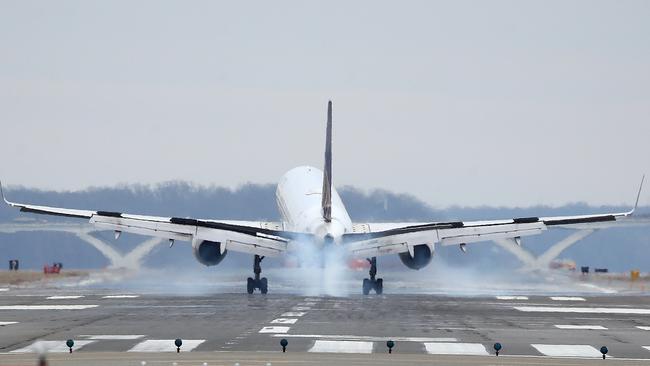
390 344
70 344
497 348
284 344
604 351
178 343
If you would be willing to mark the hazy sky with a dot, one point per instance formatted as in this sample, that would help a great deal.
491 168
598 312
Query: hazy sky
470 103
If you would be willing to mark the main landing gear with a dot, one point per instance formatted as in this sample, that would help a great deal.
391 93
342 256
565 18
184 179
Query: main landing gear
372 283
257 283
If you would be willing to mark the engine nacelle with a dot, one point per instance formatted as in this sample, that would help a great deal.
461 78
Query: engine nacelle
208 253
421 257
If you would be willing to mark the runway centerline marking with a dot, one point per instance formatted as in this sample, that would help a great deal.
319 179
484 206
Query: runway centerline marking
444 348
165 345
580 327
4 289
512 297
553 309
284 321
47 307
293 313
567 298
643 327
67 297
2 324
567 350
300 308
120 296
366 338
342 347
274 330
113 337
51 346
646 347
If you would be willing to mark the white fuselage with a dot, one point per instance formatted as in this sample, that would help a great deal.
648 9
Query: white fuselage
299 196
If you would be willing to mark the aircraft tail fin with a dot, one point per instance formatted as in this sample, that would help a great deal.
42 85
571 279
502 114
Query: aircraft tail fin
326 202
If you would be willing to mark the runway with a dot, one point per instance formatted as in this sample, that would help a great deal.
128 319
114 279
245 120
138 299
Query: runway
219 328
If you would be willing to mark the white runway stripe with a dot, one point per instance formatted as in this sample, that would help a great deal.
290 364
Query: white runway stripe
120 296
111 337
47 307
444 348
274 330
580 327
284 321
3 289
512 297
52 346
2 324
647 347
567 298
342 347
367 338
643 327
294 313
557 309
165 345
300 308
64 297
567 350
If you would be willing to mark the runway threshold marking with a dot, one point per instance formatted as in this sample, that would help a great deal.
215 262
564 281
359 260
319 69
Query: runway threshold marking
342 347
67 297
554 309
512 297
580 327
113 337
47 307
444 348
567 350
293 313
274 329
284 321
366 338
165 345
120 296
567 298
51 346
2 324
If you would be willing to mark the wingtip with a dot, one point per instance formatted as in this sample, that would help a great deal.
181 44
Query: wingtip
638 195
2 193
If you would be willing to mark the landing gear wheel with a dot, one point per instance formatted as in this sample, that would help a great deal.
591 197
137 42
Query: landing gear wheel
261 284
379 286
373 283
264 287
366 286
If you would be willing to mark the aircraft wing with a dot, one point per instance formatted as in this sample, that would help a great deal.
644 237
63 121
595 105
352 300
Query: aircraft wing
262 238
373 239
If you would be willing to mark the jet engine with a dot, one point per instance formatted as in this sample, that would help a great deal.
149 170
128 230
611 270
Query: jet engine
421 257
208 253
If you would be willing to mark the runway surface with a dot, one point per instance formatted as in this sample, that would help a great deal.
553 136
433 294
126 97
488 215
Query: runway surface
220 328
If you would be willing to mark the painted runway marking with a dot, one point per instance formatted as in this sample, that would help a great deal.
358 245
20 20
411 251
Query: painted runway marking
64 297
567 350
294 313
2 324
580 327
567 298
312 299
284 321
647 347
306 304
51 346
367 338
4 289
643 327
342 347
120 296
512 297
553 309
301 308
274 330
455 349
47 307
165 345
113 337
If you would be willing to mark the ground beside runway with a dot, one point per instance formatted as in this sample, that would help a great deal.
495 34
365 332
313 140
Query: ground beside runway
424 327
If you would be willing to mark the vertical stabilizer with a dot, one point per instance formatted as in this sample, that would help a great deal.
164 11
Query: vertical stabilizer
326 203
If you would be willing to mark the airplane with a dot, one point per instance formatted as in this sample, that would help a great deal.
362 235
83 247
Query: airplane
313 213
